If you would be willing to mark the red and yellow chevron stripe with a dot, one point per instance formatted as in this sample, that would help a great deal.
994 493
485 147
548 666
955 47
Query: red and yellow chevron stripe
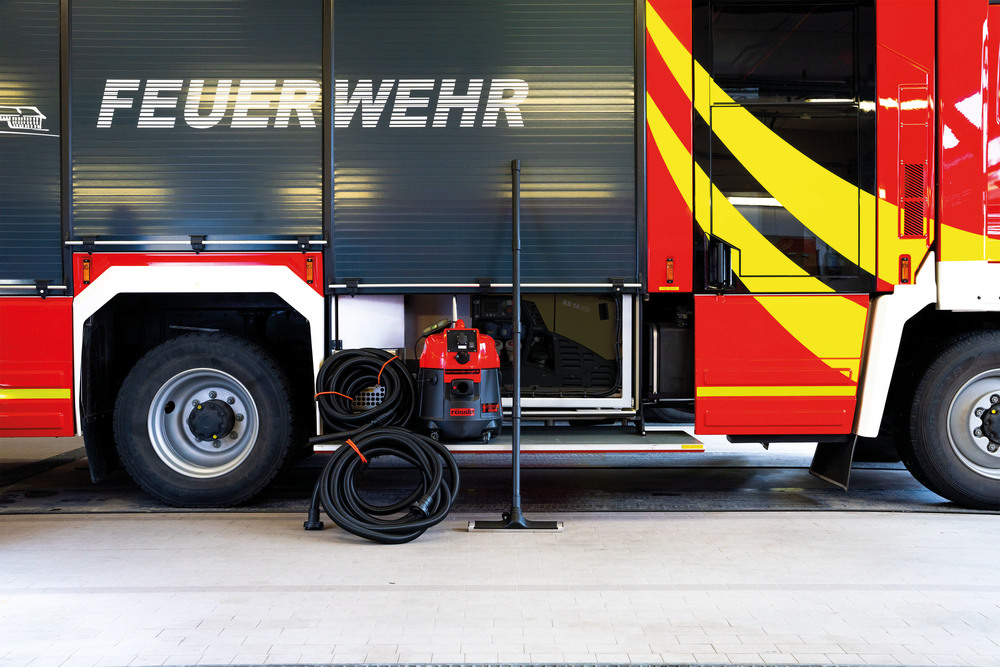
819 199
778 364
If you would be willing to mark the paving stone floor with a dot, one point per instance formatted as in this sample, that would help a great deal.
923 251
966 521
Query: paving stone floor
656 587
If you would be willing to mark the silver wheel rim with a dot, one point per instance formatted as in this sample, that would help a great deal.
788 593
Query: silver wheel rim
173 440
971 449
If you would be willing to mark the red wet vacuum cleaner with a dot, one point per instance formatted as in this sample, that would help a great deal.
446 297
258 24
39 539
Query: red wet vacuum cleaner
459 382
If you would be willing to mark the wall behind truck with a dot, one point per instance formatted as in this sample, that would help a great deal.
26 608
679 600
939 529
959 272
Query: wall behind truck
422 190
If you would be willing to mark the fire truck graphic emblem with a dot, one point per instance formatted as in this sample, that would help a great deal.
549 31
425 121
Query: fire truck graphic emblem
22 119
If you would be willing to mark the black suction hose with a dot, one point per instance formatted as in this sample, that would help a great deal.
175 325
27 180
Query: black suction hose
371 433
399 522
348 373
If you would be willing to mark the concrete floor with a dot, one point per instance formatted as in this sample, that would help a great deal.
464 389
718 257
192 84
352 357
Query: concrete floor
677 587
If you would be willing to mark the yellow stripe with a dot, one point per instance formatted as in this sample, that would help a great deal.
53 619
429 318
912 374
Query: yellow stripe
960 245
770 391
729 223
890 246
11 394
831 327
677 158
757 257
819 199
674 53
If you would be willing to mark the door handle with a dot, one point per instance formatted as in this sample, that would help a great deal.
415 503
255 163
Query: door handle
720 265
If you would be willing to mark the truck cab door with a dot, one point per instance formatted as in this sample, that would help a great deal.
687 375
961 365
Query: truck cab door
784 191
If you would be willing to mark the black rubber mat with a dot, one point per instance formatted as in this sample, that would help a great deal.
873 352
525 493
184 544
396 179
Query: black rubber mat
550 483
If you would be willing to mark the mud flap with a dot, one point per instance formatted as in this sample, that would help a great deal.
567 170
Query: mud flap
832 462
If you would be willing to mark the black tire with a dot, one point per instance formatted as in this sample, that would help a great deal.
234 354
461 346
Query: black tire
904 446
943 450
227 459
876 450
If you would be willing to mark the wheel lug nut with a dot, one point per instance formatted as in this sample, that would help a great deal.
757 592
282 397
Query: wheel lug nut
230 400
212 394
216 444
994 399
980 411
194 403
992 447
978 433
239 418
233 435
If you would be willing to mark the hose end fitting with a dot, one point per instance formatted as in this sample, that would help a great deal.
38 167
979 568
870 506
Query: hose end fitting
313 521
422 506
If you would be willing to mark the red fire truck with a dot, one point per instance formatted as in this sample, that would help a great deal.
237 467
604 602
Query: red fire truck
777 219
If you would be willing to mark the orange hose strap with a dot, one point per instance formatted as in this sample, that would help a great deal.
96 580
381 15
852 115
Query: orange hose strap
355 448
337 393
378 381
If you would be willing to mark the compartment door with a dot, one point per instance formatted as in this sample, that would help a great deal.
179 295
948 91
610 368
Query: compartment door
30 217
36 366
36 352
786 364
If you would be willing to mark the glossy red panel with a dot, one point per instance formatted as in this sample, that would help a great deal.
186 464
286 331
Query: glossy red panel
777 364
300 263
963 88
36 366
36 418
905 115
992 110
777 416
669 218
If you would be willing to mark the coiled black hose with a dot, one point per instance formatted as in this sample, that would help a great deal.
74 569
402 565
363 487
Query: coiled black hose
399 522
348 373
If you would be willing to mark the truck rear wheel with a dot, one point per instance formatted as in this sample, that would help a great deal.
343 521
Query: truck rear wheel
204 420
955 422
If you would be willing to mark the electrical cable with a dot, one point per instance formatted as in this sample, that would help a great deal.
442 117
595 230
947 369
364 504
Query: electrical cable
345 375
395 523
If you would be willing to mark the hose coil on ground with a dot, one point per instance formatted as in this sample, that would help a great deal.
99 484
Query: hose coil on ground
394 523
347 375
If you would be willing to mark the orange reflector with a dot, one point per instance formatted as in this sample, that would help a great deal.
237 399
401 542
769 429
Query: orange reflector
310 270
86 272
670 270
904 270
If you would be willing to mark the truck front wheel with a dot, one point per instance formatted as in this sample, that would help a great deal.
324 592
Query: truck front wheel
204 420
955 422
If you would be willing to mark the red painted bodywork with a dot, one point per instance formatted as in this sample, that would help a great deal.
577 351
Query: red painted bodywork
992 124
738 344
297 262
905 119
36 352
963 88
669 219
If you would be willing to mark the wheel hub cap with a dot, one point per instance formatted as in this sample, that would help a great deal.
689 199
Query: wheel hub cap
974 424
203 423
211 420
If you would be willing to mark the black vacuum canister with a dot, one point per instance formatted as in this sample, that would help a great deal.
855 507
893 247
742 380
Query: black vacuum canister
459 382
